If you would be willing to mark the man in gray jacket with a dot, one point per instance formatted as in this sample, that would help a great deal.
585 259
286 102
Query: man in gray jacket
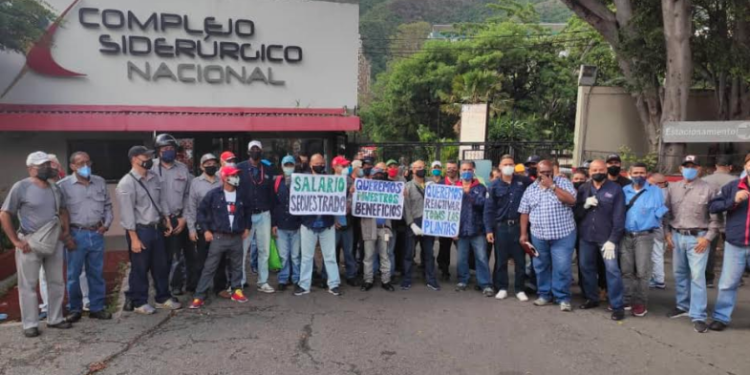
413 211
376 234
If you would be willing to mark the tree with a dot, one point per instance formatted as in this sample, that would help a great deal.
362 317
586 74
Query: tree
22 22
409 39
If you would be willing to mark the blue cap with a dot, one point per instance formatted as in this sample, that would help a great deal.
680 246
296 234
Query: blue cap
289 159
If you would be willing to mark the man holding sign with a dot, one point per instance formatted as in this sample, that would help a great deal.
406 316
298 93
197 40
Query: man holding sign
318 197
414 197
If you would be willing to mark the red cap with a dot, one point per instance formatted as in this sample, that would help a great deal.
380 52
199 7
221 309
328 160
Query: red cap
227 171
226 155
340 160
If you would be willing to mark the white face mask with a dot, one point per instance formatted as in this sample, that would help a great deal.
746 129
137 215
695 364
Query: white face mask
233 180
508 170
231 165
288 171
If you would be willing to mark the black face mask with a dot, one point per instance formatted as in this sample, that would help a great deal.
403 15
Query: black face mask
614 170
420 173
148 164
211 170
255 155
319 169
45 173
367 171
380 176
531 171
577 185
599 177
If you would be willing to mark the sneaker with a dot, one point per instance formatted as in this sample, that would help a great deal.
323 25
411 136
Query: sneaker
677 313
239 296
460 287
565 306
366 287
589 304
433 287
488 292
639 310
265 288
658 286
405 286
31 332
502 294
521 296
618 315
87 307
541 302
62 325
388 287
627 307
700 326
74 317
225 294
282 287
144 309
299 291
717 326
335 291
196 304
42 315
170 304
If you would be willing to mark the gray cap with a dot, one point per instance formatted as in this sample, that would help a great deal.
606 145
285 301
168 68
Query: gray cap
139 150
207 157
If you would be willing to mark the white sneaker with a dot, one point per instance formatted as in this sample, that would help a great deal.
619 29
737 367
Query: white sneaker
265 288
145 309
170 304
522 296
565 306
541 302
502 294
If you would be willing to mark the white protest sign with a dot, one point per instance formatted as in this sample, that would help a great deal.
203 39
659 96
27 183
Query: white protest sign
378 199
317 195
442 210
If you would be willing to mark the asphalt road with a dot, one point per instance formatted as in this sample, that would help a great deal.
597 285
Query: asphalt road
377 332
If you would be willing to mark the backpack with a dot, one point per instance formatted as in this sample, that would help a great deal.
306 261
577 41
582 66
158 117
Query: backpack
277 183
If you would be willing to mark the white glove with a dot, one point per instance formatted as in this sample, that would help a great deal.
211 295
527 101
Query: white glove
590 202
608 250
416 229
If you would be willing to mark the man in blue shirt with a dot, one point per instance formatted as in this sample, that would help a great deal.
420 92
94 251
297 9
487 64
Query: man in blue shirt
601 206
502 225
644 211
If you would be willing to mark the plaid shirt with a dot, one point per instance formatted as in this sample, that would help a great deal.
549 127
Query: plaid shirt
550 219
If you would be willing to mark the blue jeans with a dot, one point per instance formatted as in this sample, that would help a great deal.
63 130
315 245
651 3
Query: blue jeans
428 249
309 239
736 259
478 244
153 259
262 232
589 254
89 253
391 255
690 275
553 267
288 245
345 241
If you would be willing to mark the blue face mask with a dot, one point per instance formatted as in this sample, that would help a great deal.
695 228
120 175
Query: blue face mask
689 173
436 172
639 180
360 173
84 171
467 176
168 155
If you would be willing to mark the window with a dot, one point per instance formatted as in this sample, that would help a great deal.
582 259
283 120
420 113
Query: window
109 157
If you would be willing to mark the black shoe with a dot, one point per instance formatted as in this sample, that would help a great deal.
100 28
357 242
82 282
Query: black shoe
323 284
700 326
62 325
177 292
73 317
388 287
589 304
618 315
717 326
335 291
446 276
31 332
128 306
433 287
245 286
299 291
281 287
101 315
366 287
677 313
352 282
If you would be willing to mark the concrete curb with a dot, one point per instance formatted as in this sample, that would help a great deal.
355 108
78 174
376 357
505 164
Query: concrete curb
121 296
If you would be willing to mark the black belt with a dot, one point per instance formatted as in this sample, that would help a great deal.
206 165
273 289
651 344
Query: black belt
509 223
641 233
92 228
154 226
689 232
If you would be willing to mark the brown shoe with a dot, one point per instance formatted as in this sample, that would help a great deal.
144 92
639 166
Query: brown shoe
225 294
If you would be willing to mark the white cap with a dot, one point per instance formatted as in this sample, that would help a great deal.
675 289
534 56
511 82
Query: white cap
254 143
436 163
37 158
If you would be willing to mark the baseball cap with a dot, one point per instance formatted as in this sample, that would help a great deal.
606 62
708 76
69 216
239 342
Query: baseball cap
289 159
376 170
586 164
613 157
436 163
357 164
723 161
208 157
533 159
37 158
690 159
340 160
229 170
391 162
254 143
227 155
368 160
138 151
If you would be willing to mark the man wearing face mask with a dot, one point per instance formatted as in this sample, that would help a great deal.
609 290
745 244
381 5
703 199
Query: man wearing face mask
286 227
40 208
175 180
502 225
398 227
614 166
579 177
644 211
413 212
718 179
436 172
446 244
345 226
692 230
367 164
199 187
376 234
143 208
585 168
257 189
228 159
90 208
531 166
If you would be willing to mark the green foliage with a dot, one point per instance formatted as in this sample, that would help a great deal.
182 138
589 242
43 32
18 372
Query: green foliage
629 157
22 22
596 51
410 37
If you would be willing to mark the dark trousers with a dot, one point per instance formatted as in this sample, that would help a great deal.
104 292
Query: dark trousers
229 245
183 258
444 255
427 244
711 265
507 246
153 259
399 250
201 253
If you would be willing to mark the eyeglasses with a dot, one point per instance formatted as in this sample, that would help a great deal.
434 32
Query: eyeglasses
88 163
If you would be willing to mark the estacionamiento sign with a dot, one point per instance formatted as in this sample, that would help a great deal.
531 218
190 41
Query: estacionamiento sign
706 131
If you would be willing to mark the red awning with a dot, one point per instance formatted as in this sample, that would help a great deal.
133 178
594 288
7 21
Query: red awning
145 118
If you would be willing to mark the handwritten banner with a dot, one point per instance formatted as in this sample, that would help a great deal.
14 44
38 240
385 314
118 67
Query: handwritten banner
442 210
317 195
378 199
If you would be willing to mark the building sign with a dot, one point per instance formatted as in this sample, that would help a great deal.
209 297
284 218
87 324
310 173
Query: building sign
202 53
442 210
706 131
317 195
473 129
378 199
